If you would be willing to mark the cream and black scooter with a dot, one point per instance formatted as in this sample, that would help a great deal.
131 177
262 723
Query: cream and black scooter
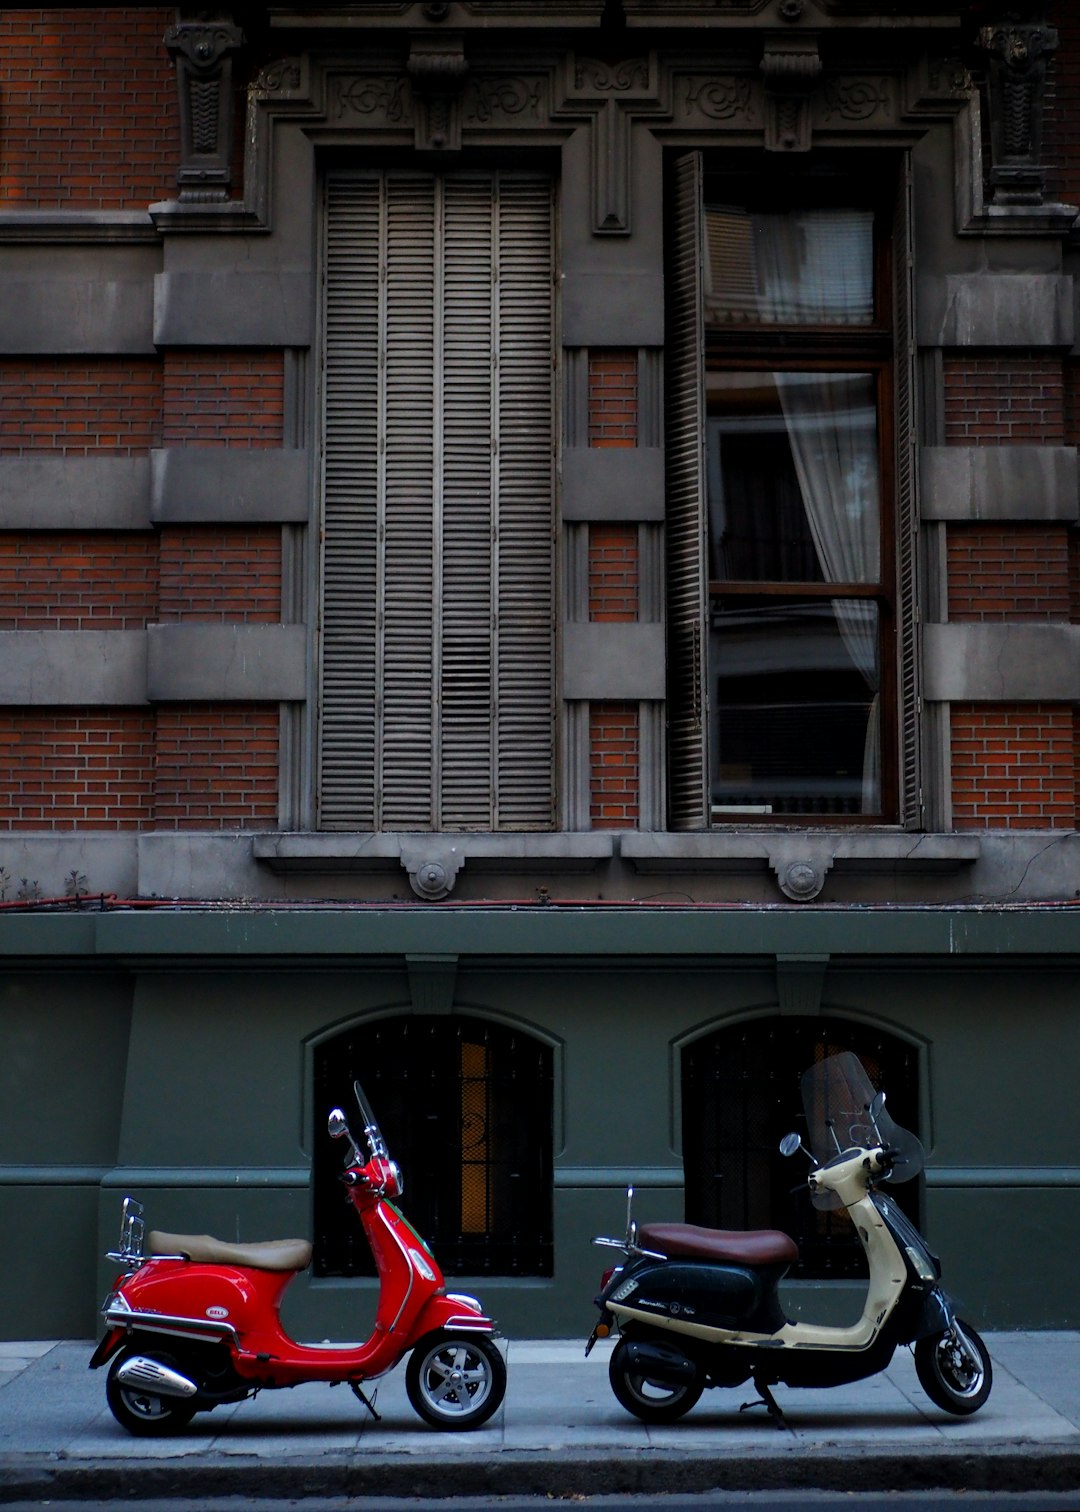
699 1307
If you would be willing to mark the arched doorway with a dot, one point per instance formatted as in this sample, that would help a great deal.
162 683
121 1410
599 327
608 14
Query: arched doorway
740 1095
466 1108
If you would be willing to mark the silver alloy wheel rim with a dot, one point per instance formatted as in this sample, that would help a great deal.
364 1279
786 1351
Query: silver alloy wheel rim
455 1379
959 1363
141 1404
654 1393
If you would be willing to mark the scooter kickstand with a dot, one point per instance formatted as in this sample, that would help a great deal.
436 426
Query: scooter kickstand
358 1392
768 1401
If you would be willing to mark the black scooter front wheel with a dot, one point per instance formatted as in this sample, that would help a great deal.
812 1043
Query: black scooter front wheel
954 1369
650 1399
456 1380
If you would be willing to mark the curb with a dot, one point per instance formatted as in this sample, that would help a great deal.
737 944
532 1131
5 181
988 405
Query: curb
1007 1467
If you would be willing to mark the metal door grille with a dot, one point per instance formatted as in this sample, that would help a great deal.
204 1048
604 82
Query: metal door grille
740 1095
466 1107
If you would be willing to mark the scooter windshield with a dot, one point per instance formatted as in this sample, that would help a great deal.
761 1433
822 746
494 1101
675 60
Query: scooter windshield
837 1096
372 1132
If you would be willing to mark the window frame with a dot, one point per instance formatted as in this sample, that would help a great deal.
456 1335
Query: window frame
884 346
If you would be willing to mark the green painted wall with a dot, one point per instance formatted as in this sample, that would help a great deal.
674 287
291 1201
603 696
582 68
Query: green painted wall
187 1083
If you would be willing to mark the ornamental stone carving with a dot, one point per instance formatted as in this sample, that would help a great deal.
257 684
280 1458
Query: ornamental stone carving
1018 54
363 95
437 70
720 97
490 100
790 68
202 52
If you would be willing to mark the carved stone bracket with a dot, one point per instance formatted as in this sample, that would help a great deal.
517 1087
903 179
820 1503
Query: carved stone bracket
202 51
437 70
613 92
1018 54
790 67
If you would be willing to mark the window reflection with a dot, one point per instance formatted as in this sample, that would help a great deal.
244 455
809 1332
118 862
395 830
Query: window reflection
795 706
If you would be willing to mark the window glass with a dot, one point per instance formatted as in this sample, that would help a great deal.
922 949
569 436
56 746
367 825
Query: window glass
793 483
796 726
801 267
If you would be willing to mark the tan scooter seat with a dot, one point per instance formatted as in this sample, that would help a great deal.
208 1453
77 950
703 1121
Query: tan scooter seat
268 1254
686 1241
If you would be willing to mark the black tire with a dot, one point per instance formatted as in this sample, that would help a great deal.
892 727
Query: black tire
949 1375
141 1411
456 1380
651 1401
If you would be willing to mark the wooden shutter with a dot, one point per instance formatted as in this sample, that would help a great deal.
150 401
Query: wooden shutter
685 531
437 686
907 516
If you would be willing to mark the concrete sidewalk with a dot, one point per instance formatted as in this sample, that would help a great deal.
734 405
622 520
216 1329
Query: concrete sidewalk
559 1432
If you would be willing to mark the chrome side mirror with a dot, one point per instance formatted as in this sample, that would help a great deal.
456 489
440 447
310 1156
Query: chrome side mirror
336 1126
791 1144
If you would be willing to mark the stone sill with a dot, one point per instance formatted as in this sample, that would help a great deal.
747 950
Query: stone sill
434 859
801 859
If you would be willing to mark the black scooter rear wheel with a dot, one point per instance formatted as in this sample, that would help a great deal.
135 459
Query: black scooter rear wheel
651 1401
954 1369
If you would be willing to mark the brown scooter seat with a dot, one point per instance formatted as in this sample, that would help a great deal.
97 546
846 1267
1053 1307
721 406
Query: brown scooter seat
267 1254
686 1241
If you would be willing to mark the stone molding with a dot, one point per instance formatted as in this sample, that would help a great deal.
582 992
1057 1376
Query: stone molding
1001 663
39 668
250 485
230 663
489 90
74 493
969 483
612 483
274 308
606 660
45 316
1022 310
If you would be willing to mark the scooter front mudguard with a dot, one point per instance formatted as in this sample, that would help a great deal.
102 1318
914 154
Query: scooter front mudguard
453 1312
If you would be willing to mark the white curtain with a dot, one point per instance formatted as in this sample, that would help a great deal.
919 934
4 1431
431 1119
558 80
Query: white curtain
817 267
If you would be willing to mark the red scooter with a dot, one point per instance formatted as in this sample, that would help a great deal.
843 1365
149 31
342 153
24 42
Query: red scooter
195 1322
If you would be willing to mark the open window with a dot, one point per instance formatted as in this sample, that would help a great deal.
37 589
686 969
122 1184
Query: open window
790 500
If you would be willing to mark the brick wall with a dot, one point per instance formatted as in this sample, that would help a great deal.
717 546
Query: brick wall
216 766
110 406
615 744
224 575
68 580
65 769
1008 572
1014 766
89 102
992 400
614 739
232 398
178 767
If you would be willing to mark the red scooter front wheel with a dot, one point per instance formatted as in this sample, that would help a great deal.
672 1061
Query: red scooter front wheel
456 1381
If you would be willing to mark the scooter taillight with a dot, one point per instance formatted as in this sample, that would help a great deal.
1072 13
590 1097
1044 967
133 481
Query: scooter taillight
606 1277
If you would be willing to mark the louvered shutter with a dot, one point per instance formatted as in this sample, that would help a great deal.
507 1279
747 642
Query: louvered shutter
907 517
685 529
437 685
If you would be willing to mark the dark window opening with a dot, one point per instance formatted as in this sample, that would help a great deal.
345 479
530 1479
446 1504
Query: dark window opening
740 1095
466 1108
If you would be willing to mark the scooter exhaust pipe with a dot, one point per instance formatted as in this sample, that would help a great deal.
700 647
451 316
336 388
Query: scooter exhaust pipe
660 1362
153 1376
